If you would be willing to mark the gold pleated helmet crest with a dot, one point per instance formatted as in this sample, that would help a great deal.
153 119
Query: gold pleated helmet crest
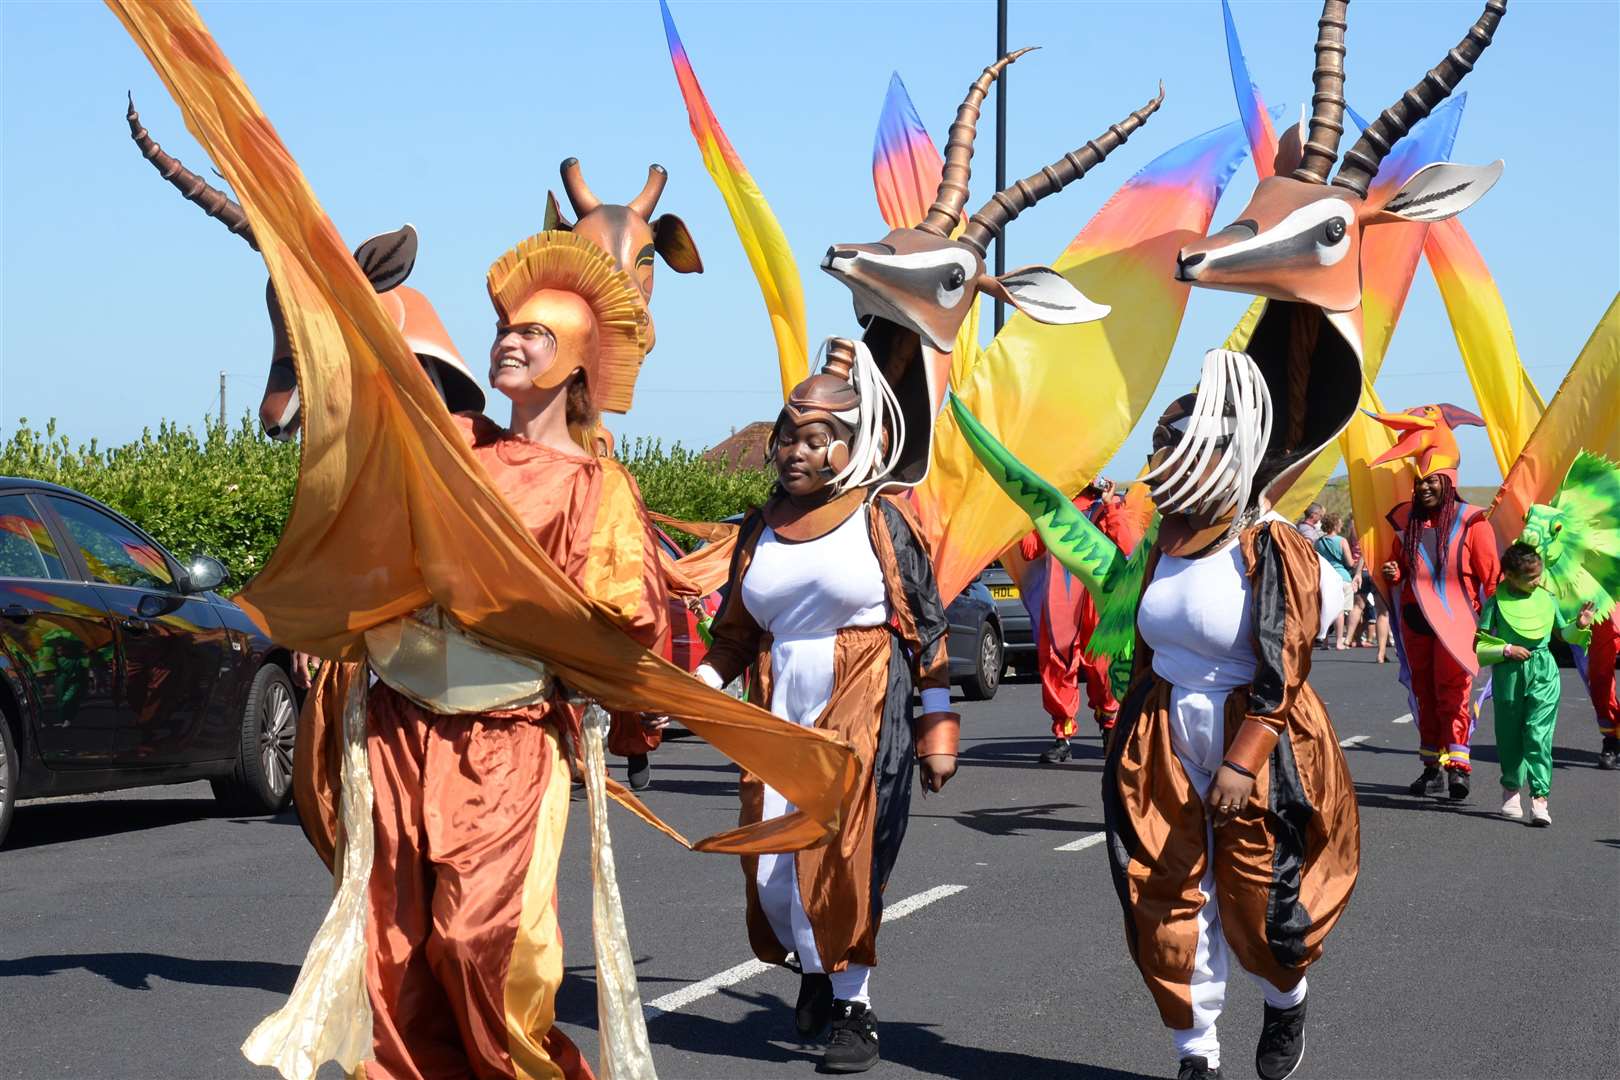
596 313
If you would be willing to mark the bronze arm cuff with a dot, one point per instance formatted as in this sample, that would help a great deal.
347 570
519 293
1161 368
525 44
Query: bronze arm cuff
1253 745
938 733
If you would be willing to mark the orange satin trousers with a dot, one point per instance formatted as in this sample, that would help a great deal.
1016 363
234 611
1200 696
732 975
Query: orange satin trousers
464 951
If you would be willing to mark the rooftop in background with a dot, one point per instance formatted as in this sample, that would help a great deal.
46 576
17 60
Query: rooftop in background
742 449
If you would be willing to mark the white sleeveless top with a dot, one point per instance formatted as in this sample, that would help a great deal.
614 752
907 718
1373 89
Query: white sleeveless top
1197 617
802 595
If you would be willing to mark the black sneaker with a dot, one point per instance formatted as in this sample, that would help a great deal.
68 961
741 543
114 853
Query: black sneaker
1282 1043
1057 753
1421 785
1197 1068
639 773
853 1045
814 1009
1609 757
1457 782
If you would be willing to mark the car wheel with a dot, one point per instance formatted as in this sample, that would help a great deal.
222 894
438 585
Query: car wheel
9 768
988 660
261 782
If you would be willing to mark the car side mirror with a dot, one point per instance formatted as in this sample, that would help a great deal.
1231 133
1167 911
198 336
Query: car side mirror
205 573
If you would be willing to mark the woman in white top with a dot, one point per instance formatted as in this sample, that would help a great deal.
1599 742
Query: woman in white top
832 602
1231 816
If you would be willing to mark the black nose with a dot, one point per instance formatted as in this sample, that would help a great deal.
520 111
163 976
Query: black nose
841 253
1186 261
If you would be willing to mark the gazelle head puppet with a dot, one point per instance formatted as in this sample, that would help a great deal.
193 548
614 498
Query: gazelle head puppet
386 260
914 288
1298 243
628 232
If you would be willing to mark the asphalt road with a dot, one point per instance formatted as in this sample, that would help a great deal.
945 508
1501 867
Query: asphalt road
142 935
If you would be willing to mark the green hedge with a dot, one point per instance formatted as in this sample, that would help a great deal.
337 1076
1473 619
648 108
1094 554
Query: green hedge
228 492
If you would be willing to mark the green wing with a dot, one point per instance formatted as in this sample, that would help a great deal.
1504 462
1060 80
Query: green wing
1069 535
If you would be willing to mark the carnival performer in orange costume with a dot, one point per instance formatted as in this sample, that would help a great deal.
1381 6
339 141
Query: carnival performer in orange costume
465 955
1440 569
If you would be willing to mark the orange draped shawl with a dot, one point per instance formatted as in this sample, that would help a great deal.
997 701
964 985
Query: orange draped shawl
394 512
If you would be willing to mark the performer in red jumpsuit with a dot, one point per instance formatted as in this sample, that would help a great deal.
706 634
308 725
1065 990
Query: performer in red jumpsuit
1440 569
1600 681
1067 616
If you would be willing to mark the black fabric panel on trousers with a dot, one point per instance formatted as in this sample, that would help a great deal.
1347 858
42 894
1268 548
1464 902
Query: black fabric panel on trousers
1288 818
1270 625
891 772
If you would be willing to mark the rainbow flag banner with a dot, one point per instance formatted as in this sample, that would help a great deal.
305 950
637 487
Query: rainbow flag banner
762 238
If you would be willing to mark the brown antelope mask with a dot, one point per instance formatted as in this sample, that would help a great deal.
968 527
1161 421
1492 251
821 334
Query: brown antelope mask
628 232
1298 243
386 260
914 288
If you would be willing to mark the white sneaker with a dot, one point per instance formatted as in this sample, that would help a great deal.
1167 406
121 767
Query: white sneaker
1539 816
1512 809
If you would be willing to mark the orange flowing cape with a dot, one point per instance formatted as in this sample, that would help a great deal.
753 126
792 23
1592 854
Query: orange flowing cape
392 512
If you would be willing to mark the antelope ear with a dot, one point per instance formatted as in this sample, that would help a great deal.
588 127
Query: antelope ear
386 260
554 220
1456 417
1044 295
674 243
1439 191
1290 147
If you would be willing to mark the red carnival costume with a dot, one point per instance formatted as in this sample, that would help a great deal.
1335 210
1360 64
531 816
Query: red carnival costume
1446 564
1067 617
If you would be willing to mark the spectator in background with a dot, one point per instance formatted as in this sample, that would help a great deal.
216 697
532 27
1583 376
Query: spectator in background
1332 547
1309 526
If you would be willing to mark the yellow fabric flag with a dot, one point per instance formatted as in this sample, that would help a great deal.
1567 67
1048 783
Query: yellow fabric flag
1583 415
393 512
1508 402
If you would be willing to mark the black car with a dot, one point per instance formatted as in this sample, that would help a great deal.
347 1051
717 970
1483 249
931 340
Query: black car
1020 641
975 642
119 667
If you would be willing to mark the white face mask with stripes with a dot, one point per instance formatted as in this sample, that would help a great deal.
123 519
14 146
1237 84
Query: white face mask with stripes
1210 469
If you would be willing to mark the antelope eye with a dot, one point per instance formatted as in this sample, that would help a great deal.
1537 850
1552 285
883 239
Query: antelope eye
1557 529
1334 230
954 279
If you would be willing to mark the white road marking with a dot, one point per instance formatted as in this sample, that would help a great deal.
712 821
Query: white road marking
676 1000
1089 840
1354 740
1403 719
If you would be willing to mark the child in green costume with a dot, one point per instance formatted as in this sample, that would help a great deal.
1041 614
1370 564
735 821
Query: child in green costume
1514 629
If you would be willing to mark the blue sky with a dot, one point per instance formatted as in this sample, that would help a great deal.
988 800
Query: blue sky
121 304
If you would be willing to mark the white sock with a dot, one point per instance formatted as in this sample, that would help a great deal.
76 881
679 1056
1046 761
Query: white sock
1198 1042
851 984
1282 999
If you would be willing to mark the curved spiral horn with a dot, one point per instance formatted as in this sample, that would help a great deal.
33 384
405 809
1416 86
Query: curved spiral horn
1362 160
1005 205
953 182
1327 103
644 203
578 192
215 203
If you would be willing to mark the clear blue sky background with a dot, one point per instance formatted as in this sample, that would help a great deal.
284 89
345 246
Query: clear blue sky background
121 304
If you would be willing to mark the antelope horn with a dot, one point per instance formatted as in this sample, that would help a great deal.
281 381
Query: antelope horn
643 204
1005 205
1362 161
215 203
574 186
1327 103
953 182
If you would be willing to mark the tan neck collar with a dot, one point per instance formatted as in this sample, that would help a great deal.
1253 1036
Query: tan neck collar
797 524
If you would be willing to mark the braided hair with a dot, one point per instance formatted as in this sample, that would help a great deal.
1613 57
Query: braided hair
1442 517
